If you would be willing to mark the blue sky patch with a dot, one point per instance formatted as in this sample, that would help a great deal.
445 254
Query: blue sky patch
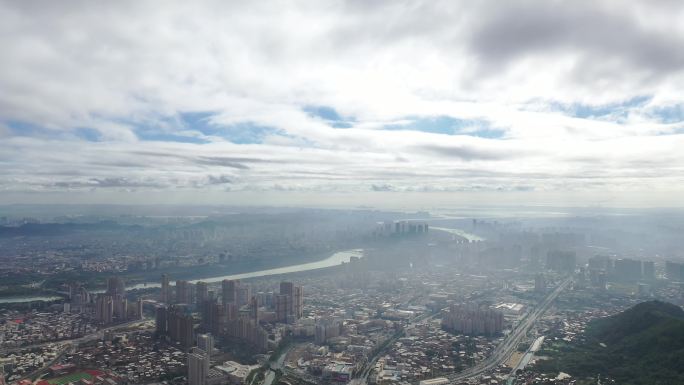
88 134
182 127
586 111
669 114
330 115
449 126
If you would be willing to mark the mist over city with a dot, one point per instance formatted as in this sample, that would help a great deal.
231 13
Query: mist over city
341 192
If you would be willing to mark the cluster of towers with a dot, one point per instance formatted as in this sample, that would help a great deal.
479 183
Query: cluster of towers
236 313
289 304
471 319
107 308
112 305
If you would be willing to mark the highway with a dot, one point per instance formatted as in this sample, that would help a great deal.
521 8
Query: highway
75 341
508 346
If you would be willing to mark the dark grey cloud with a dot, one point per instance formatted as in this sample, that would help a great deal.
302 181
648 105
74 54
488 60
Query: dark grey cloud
219 179
222 161
113 182
382 187
219 161
464 152
597 32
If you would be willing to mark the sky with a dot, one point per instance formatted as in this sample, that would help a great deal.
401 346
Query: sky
343 103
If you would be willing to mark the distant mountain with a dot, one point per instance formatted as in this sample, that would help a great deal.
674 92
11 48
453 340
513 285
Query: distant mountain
55 229
642 345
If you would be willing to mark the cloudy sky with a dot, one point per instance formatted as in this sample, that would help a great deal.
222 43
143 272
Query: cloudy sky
342 102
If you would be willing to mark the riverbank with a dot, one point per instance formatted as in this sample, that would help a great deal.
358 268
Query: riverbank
329 260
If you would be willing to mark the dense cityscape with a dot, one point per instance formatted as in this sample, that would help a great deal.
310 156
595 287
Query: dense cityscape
421 301
342 192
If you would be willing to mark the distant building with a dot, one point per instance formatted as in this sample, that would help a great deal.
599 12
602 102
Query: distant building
180 325
198 368
648 270
236 373
600 262
161 320
327 328
398 228
471 319
201 292
104 309
674 271
205 342
229 290
282 305
289 304
248 331
182 292
115 285
112 306
298 302
244 293
561 261
539 283
338 372
165 289
626 269
643 289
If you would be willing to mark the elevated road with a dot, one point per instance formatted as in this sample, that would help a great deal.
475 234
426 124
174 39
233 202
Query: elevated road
74 341
508 346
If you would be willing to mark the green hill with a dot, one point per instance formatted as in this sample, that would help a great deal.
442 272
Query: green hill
643 345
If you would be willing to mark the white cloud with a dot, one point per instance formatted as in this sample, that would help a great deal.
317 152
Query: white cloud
127 68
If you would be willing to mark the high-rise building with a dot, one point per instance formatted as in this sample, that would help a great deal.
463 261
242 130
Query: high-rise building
674 271
248 331
120 307
181 326
139 309
539 283
298 302
648 272
218 318
290 302
182 292
561 261
205 342
229 288
282 305
165 289
104 309
287 288
401 228
161 320
254 310
326 328
600 262
197 368
115 285
202 293
473 320
625 269
244 294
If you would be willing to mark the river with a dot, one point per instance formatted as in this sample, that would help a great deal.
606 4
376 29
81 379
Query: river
469 236
334 260
34 298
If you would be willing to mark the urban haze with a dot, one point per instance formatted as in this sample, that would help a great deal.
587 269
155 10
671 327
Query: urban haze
341 192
